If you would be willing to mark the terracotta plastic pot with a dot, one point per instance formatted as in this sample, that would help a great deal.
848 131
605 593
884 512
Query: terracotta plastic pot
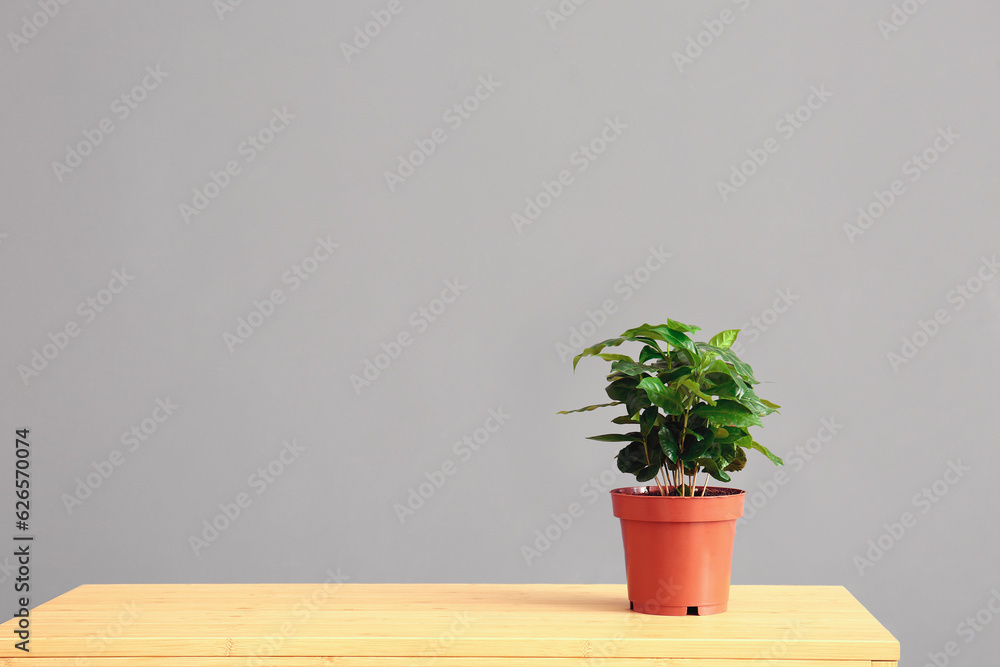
678 551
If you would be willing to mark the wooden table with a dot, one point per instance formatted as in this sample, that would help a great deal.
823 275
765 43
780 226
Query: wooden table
449 625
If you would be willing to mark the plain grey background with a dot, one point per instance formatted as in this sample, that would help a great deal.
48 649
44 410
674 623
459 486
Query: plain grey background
823 300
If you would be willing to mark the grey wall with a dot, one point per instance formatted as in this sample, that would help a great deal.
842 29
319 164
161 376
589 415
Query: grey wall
823 298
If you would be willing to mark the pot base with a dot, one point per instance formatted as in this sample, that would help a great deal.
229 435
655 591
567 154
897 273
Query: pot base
665 610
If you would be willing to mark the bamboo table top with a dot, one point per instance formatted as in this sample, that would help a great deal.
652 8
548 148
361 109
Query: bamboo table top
449 625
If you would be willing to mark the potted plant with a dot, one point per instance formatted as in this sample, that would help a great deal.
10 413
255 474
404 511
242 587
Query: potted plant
689 406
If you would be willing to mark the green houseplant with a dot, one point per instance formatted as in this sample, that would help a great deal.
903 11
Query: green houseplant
689 406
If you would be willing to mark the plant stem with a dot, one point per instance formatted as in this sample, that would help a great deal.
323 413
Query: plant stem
645 450
680 450
704 488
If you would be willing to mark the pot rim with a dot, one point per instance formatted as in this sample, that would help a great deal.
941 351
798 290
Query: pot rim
643 491
637 504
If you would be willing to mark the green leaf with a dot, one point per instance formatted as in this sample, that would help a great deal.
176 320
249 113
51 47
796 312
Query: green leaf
664 398
726 412
649 352
674 375
646 340
773 406
678 339
648 419
738 461
734 388
619 389
624 419
596 349
636 401
747 397
607 356
693 387
708 359
754 403
741 386
720 366
589 408
632 458
766 452
724 339
647 473
641 331
712 468
680 326
616 437
631 368
723 388
696 448
727 451
669 445
742 368
653 450
733 435
674 337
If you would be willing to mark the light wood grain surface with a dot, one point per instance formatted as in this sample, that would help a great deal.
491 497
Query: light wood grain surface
451 625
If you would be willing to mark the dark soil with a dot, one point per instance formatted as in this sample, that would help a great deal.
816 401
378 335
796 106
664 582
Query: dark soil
711 491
